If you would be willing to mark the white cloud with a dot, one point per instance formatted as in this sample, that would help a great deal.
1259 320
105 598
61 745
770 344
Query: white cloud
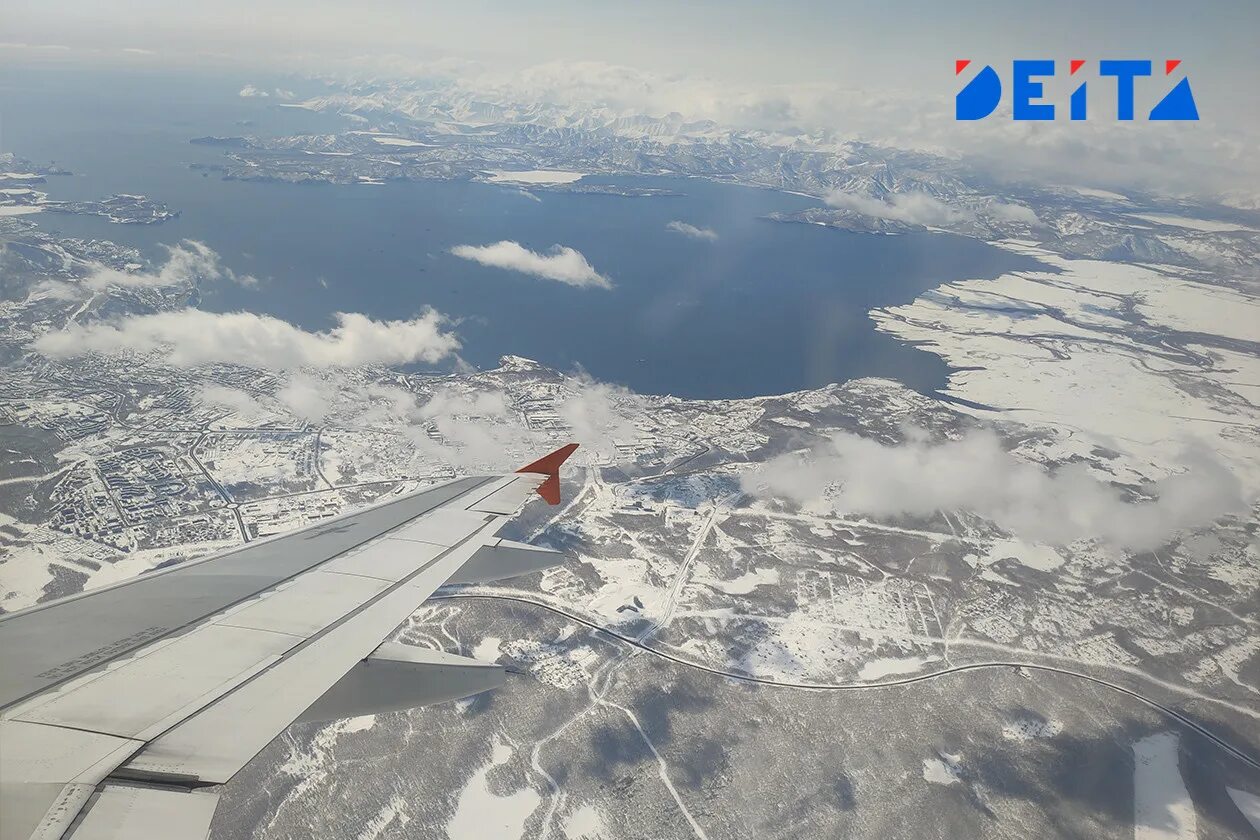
480 429
399 403
918 477
308 398
562 264
230 398
315 398
254 92
1192 159
1017 213
192 337
476 430
15 45
913 208
920 208
692 231
1195 159
470 428
599 415
56 290
188 263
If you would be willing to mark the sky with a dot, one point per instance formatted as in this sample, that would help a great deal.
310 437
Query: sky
892 45
881 73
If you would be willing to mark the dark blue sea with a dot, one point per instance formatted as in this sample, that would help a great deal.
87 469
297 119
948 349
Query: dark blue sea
766 308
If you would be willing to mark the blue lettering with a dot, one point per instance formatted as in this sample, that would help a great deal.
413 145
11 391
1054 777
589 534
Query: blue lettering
980 97
1124 71
1024 90
1078 103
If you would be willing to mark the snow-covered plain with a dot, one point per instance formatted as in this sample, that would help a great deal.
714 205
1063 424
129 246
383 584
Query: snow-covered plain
1208 225
401 142
878 668
584 824
944 769
533 176
1248 804
1161 803
1079 364
482 813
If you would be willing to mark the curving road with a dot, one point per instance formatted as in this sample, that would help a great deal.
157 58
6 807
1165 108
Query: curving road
1154 704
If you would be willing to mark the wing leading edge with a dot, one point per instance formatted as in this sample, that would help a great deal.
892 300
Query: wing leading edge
122 708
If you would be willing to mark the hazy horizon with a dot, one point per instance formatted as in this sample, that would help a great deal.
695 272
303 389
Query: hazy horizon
883 76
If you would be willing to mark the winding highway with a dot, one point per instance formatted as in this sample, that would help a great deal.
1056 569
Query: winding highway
1189 723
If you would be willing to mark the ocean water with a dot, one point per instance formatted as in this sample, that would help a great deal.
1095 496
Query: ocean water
766 308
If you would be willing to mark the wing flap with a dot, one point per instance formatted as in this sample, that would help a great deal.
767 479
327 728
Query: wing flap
47 774
263 707
34 753
511 496
40 810
124 812
307 604
392 562
504 559
157 687
398 676
449 529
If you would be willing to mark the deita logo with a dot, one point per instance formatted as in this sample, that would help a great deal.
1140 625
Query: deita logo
981 96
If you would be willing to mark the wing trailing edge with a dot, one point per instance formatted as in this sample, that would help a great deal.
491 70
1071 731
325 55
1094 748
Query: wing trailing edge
504 559
397 676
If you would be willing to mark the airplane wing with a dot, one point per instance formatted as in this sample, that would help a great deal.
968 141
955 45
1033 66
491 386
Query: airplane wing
122 709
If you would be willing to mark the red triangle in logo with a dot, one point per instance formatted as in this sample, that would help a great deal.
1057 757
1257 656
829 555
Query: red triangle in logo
1076 64
961 65
1171 65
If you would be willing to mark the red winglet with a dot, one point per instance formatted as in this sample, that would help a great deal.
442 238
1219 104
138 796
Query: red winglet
549 465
